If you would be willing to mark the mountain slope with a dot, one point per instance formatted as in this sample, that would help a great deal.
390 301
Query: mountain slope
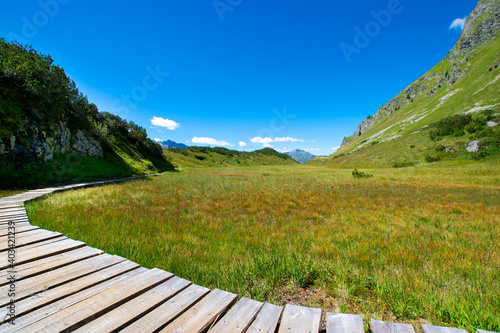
466 80
50 133
300 156
223 157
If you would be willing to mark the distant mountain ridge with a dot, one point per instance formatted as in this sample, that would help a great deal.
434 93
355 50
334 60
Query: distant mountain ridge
301 156
171 144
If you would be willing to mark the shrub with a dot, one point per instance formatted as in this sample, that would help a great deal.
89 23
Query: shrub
440 148
453 125
430 159
360 174
403 164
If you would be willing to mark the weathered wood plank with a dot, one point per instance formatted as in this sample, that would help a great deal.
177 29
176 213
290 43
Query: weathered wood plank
168 311
344 323
389 327
136 308
43 251
441 329
23 240
267 319
239 318
33 309
300 319
5 232
201 315
42 282
83 312
43 265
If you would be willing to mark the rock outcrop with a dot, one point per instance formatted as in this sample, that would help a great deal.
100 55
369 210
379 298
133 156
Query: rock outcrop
44 141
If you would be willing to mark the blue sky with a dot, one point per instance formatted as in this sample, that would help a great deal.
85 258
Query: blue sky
238 73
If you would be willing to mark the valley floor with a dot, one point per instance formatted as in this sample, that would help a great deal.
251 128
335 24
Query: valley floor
411 244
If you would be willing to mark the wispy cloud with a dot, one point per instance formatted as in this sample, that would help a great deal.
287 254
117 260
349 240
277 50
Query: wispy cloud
312 149
209 141
458 23
243 144
167 123
267 145
335 148
158 140
267 140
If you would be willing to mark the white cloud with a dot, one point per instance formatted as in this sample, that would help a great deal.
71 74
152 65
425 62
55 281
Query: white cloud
267 145
167 123
243 144
458 24
288 139
261 140
335 148
209 141
267 140
312 149
158 140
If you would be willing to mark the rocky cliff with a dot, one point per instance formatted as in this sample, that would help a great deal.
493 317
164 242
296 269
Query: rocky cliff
482 25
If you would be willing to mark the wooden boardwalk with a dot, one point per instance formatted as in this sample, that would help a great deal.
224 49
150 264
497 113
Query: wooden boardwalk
61 285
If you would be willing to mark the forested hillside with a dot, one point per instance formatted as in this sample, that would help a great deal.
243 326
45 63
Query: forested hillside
50 132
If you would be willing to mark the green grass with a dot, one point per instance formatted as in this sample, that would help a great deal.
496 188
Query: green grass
416 244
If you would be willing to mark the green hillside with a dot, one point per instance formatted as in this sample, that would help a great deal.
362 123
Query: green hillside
206 157
51 134
467 81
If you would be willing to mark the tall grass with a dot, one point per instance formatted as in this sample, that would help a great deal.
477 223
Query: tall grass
413 244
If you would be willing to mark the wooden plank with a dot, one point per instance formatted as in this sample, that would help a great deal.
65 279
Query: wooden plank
74 298
300 319
42 282
83 312
168 311
43 265
239 318
36 231
18 225
44 251
389 327
136 308
51 301
267 319
200 316
344 323
8 217
24 240
7 206
19 230
42 243
441 329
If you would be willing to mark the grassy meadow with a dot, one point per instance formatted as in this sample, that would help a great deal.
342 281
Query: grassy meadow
417 245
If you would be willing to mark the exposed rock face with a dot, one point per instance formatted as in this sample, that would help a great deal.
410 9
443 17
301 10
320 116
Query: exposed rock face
481 25
46 140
